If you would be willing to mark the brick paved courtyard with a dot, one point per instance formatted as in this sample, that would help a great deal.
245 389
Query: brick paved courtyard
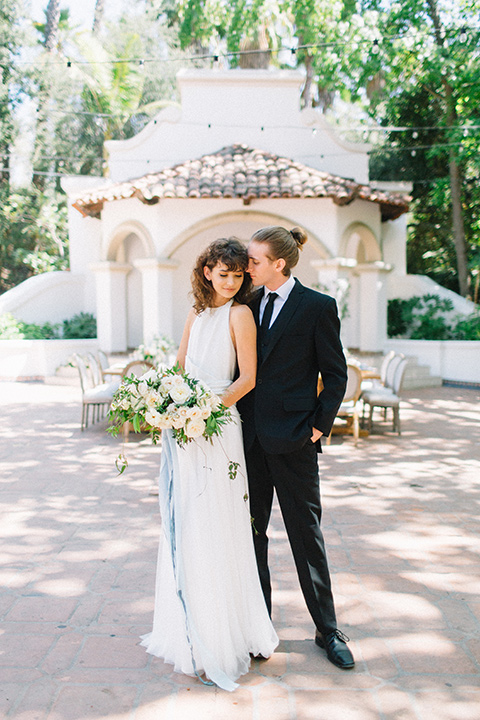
78 552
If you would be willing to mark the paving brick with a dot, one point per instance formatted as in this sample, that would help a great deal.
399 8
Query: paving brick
108 652
23 651
42 609
85 702
448 706
335 705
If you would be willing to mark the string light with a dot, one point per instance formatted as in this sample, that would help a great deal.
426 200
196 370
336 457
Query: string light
463 37
375 47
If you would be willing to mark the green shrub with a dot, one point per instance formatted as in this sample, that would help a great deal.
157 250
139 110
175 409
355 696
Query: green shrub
429 318
83 325
468 328
13 329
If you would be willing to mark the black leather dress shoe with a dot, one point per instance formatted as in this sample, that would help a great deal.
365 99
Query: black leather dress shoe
335 645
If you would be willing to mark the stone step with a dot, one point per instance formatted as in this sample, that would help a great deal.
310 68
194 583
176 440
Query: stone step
418 376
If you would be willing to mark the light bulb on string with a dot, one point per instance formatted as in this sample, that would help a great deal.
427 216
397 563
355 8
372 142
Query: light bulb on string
415 135
375 47
463 37
141 62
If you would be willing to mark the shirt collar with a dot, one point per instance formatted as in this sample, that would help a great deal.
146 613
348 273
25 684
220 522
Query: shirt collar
284 290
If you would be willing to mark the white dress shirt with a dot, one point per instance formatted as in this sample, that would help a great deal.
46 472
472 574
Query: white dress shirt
283 292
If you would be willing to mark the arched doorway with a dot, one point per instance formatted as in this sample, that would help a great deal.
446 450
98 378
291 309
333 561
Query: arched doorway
130 243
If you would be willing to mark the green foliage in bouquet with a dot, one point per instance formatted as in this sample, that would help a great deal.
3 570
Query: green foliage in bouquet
168 399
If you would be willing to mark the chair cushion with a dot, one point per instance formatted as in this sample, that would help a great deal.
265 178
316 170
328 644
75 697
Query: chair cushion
381 399
101 393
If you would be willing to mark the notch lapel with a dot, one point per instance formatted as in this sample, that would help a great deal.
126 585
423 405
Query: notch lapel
283 318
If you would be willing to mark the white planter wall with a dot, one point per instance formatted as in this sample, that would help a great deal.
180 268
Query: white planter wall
457 360
23 359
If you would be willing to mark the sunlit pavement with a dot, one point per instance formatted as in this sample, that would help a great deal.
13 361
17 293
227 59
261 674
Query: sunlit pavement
78 554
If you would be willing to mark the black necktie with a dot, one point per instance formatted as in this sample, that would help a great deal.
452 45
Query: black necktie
267 313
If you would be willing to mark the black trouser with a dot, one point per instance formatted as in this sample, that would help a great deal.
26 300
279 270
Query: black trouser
295 479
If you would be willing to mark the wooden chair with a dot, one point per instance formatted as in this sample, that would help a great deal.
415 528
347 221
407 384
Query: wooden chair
348 410
98 397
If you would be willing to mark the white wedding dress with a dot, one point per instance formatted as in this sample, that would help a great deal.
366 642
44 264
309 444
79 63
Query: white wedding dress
210 613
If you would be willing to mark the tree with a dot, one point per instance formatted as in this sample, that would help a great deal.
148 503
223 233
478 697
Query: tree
430 51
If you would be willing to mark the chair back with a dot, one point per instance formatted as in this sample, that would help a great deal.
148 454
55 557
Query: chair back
137 367
354 383
103 359
85 377
95 369
392 369
399 375
384 366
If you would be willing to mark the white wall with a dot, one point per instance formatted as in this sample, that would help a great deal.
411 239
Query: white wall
23 359
450 359
258 108
50 297
406 286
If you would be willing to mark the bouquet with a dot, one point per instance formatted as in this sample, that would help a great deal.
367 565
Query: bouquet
168 398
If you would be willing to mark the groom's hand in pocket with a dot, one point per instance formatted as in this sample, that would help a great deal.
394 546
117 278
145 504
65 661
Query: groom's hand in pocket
316 435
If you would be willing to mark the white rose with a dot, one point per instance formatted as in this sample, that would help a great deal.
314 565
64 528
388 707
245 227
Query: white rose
194 413
149 375
205 412
180 392
125 404
156 419
152 417
143 388
167 384
177 421
177 380
214 402
152 398
194 428
183 412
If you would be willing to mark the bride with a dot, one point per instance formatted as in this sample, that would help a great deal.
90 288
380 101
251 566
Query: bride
210 615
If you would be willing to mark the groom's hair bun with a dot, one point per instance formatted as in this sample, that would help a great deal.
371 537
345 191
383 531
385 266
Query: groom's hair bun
300 236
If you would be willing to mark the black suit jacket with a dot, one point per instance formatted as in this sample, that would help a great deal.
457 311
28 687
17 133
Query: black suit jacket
303 341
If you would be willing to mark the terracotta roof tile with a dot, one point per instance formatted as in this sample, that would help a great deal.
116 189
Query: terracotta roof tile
238 171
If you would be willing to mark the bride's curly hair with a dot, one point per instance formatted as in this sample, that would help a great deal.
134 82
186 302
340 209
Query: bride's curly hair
229 252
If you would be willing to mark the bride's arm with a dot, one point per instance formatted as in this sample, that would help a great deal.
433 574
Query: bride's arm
182 350
244 336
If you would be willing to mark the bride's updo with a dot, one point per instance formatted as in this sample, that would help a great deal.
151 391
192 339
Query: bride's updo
282 244
226 251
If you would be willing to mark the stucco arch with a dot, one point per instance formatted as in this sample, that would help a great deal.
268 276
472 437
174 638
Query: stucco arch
247 216
359 243
117 239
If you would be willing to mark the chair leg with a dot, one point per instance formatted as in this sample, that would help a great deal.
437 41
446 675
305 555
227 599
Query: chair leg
370 419
396 419
356 429
83 417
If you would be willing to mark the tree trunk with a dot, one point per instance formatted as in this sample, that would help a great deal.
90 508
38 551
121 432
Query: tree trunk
98 17
51 25
458 227
457 224
306 96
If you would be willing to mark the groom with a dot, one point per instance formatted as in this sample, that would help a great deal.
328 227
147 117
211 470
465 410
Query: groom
284 418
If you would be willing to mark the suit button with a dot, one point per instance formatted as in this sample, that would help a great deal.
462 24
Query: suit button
259 381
